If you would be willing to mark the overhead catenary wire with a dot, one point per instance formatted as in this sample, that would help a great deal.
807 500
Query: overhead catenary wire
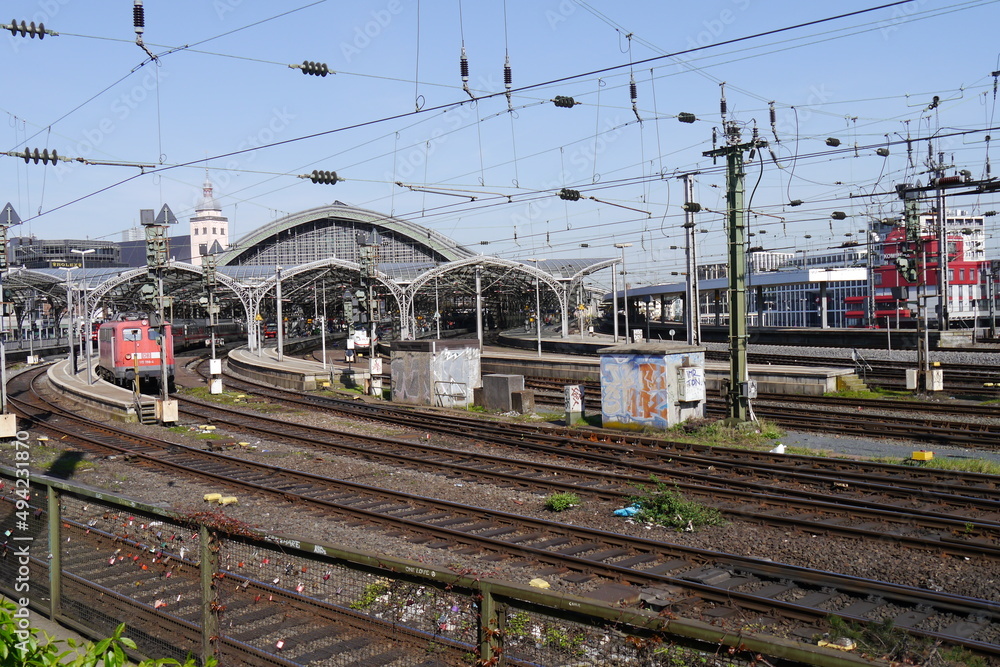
595 172
566 78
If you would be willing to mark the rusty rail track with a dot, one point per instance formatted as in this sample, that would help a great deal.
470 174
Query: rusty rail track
686 580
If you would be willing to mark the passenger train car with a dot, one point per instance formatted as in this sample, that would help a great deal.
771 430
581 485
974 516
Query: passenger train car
192 333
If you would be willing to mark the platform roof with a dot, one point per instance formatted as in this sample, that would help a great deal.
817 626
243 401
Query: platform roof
764 279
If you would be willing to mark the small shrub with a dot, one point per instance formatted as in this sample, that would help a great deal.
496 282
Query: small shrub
559 502
370 594
39 649
958 655
665 506
882 639
518 625
563 640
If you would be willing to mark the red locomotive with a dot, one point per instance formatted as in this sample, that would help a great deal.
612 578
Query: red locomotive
130 349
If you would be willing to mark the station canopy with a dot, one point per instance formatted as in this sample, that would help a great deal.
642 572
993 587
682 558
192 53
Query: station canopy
444 271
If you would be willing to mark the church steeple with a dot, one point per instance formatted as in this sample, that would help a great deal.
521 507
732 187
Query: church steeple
209 228
207 202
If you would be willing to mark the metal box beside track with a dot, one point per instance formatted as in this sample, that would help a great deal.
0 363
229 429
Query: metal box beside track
436 372
652 384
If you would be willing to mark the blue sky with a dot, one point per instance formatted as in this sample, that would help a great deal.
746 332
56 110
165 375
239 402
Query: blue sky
485 172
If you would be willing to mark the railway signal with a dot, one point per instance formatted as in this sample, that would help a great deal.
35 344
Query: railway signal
8 218
208 271
313 68
324 177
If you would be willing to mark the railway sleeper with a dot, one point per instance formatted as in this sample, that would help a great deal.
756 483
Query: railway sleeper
249 620
710 576
607 555
479 525
497 532
551 542
773 590
669 566
580 548
965 629
637 560
453 522
861 607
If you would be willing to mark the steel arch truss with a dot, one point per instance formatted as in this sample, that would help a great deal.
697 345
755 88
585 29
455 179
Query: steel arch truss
296 277
494 270
503 281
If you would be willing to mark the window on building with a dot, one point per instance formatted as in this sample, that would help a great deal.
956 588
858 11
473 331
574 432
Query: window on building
213 230
204 230
196 231
222 230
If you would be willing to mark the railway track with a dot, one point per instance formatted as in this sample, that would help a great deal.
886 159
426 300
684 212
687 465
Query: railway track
991 505
154 580
856 417
616 445
890 374
615 473
687 580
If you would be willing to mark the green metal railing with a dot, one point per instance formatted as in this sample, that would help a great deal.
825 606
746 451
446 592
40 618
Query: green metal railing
205 584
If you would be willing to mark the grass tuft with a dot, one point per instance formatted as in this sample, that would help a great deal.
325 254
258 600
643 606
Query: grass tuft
665 506
559 502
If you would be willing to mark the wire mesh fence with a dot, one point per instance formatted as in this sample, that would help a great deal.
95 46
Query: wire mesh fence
205 585
349 611
535 637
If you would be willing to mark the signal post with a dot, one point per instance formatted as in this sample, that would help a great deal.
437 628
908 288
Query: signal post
156 261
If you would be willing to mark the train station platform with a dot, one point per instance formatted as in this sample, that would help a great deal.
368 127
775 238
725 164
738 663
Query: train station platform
577 358
811 381
110 400
296 373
